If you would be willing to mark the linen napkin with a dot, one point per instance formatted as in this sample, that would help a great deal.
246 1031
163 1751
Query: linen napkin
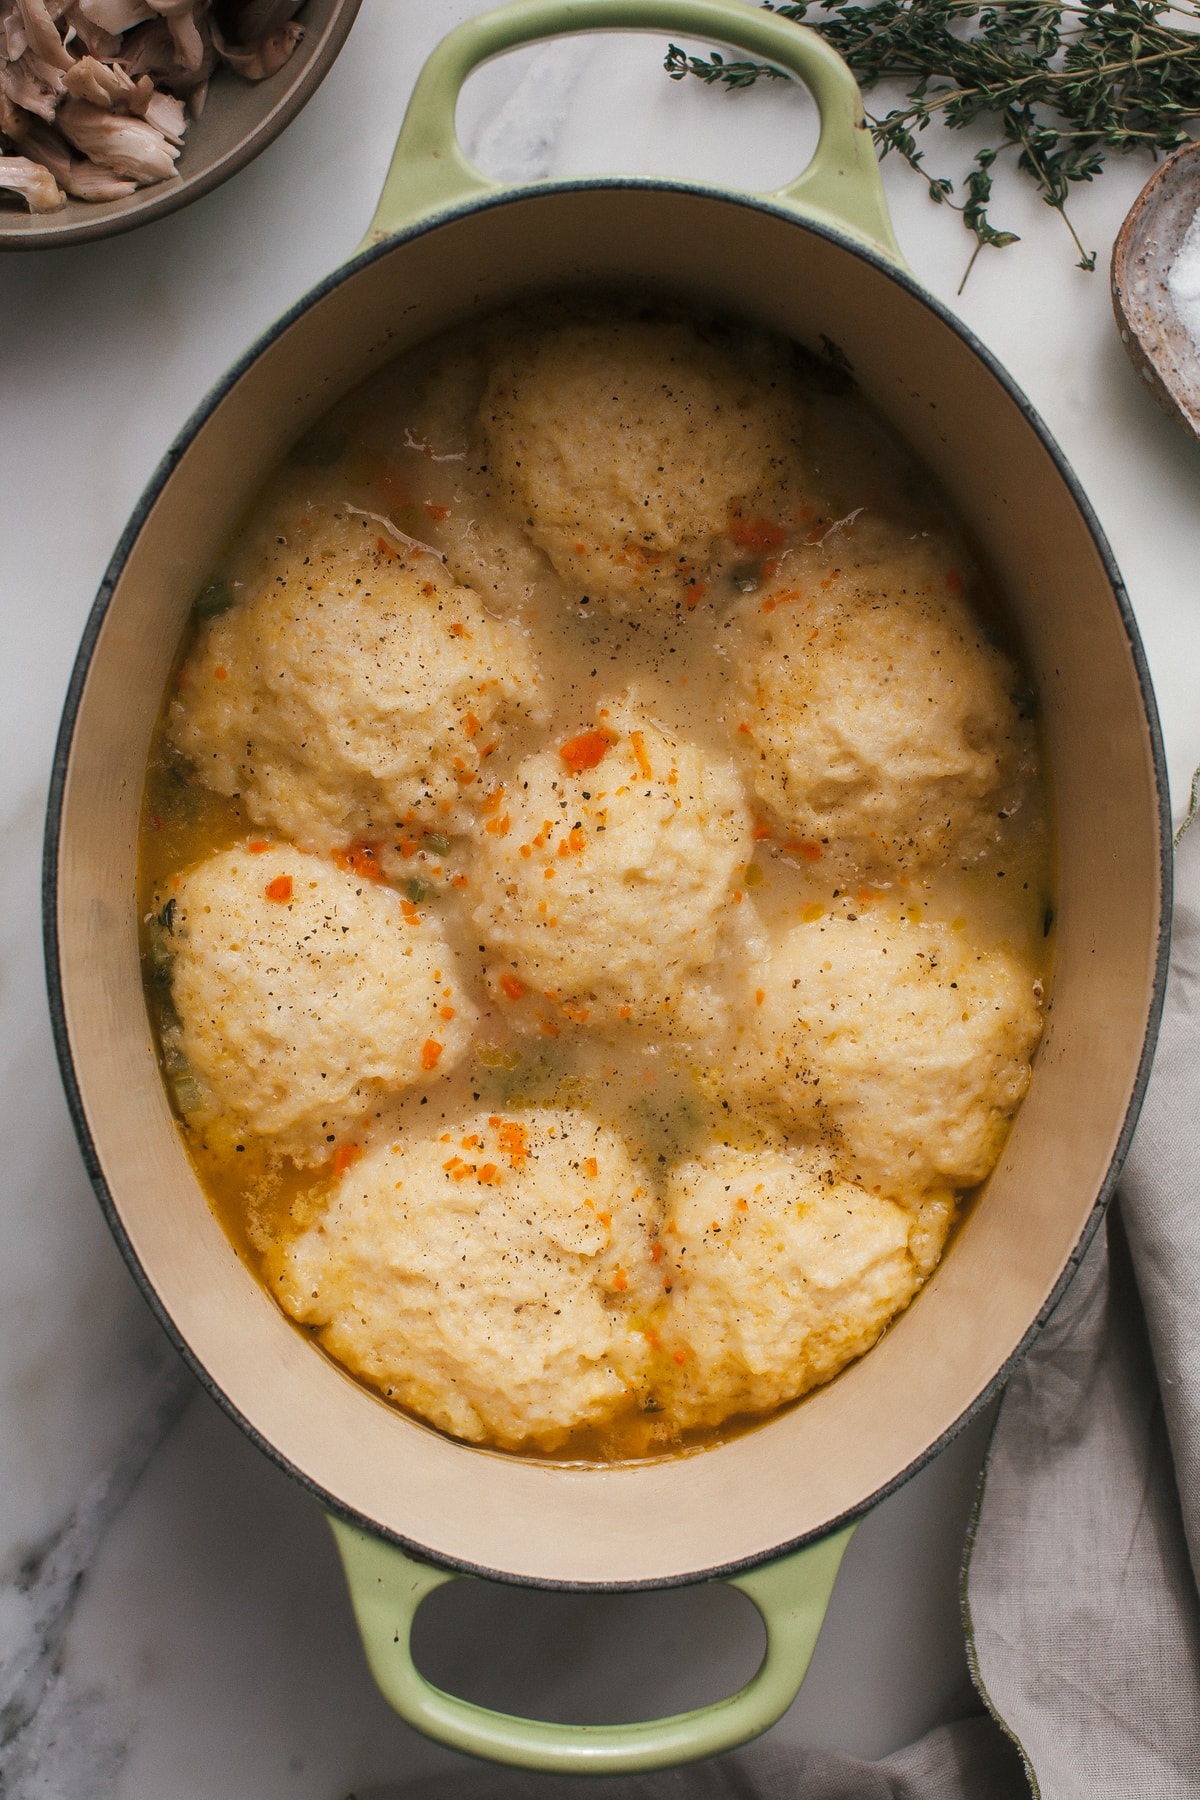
1080 1576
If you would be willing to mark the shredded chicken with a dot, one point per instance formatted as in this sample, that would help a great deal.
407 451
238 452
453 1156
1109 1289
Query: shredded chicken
259 18
14 36
95 95
257 61
116 16
165 113
12 120
95 40
125 145
185 34
44 145
104 84
23 89
41 35
36 185
86 180
150 50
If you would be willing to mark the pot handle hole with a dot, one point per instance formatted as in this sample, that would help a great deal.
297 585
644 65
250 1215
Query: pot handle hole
840 188
387 1587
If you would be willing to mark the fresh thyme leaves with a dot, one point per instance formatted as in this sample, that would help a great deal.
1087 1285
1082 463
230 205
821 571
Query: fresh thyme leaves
1060 84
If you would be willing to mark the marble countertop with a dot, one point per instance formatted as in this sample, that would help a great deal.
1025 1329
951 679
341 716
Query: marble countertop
172 1620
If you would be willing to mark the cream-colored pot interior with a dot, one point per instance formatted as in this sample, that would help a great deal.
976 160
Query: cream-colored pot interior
827 1457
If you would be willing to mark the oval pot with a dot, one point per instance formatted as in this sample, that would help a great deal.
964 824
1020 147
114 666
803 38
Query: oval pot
816 262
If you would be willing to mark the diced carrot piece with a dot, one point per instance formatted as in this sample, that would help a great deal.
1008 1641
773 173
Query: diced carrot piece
586 750
280 888
359 859
756 534
513 1141
638 741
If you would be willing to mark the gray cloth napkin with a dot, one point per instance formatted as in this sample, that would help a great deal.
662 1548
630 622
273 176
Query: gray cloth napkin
1080 1578
1081 1597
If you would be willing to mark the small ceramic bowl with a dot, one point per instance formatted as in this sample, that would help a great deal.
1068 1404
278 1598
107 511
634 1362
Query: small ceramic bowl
1147 246
240 118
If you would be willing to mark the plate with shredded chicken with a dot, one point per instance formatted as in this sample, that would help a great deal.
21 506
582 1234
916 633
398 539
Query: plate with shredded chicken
114 112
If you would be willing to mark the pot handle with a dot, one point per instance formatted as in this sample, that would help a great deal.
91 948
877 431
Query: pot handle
840 188
387 1586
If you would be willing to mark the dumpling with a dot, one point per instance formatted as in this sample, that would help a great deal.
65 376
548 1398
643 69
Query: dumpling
781 1274
354 692
909 1043
607 869
639 453
489 1275
306 994
880 725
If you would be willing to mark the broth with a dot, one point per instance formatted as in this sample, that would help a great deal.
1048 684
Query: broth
400 452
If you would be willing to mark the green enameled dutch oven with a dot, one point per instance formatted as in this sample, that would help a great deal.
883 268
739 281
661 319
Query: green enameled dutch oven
770 1511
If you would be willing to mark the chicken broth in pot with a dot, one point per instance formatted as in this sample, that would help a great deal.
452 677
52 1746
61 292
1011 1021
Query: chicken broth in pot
596 880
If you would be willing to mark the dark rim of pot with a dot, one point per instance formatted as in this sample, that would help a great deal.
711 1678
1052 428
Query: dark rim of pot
62 754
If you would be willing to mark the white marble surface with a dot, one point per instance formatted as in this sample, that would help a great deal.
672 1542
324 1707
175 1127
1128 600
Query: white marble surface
171 1618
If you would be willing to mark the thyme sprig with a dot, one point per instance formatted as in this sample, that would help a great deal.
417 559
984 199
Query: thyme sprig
1059 84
